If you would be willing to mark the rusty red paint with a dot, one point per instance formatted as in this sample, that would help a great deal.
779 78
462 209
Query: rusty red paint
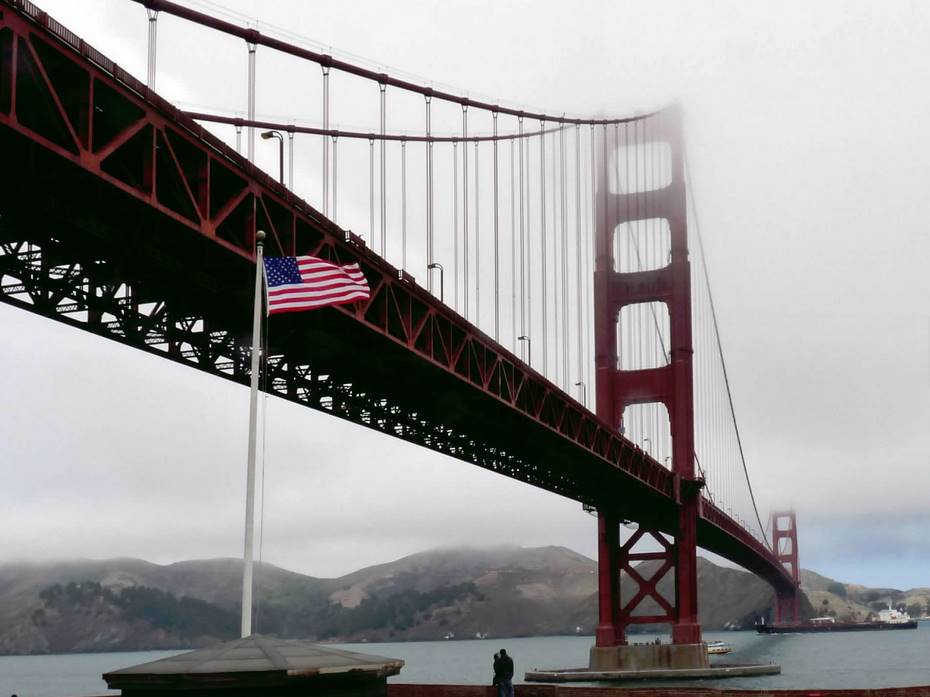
785 544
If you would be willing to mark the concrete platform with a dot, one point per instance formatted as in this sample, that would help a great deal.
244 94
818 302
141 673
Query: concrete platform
648 657
715 672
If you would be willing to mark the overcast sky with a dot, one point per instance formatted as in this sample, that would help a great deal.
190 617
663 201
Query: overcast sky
810 161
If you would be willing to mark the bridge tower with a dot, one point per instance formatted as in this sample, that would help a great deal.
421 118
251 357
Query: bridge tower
671 385
785 544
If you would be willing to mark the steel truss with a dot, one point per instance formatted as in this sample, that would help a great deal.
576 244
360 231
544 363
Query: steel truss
64 106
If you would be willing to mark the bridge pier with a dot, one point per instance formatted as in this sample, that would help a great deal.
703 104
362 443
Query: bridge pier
609 630
686 629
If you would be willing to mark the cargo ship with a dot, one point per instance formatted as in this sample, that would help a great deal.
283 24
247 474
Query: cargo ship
887 619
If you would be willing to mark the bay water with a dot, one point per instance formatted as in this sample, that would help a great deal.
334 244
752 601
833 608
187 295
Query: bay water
816 661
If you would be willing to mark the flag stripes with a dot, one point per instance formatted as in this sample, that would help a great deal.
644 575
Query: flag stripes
306 283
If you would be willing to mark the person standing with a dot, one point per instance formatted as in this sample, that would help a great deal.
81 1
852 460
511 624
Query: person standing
503 674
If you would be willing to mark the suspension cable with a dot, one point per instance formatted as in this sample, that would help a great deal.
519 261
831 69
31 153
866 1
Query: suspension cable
465 210
723 365
429 197
497 313
529 264
579 261
250 134
523 298
564 220
542 232
455 219
403 205
383 144
477 243
325 69
371 191
513 251
335 170
256 37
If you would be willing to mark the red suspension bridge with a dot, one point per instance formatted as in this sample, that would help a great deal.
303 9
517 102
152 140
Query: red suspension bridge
555 273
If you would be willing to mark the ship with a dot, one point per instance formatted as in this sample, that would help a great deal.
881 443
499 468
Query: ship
887 619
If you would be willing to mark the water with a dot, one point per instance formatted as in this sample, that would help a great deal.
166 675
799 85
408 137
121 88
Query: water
818 661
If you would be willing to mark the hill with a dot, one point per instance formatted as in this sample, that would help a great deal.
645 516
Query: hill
852 602
122 604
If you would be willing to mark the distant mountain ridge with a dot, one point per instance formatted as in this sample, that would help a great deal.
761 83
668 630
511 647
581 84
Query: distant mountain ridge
124 604
853 602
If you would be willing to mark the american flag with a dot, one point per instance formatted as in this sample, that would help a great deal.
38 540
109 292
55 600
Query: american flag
305 283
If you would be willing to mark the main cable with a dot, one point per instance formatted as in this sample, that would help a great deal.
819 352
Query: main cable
723 365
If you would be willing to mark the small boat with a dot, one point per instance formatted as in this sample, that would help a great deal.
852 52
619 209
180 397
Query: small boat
718 648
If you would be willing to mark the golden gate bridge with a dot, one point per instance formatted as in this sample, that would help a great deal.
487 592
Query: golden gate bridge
559 333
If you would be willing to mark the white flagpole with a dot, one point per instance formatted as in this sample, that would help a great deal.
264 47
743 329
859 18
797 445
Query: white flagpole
253 421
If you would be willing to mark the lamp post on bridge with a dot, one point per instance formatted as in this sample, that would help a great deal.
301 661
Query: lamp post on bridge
268 135
442 283
529 355
584 393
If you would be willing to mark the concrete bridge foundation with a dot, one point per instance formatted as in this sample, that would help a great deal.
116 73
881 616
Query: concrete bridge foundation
649 657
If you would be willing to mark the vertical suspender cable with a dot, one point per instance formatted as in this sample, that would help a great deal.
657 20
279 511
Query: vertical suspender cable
290 159
455 218
601 184
542 232
477 244
325 69
649 249
522 242
465 210
430 255
371 191
564 218
589 263
579 251
335 180
529 265
153 28
556 265
497 289
513 250
403 205
625 330
250 134
640 176
383 88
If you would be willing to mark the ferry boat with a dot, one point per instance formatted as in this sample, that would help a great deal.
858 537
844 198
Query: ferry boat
887 619
718 648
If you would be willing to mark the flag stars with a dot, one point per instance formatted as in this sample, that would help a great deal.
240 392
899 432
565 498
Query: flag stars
281 271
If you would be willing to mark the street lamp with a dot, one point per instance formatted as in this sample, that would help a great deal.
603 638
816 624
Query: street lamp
268 135
646 445
529 355
442 274
584 393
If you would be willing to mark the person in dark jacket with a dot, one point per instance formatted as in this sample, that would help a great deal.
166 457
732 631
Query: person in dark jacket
503 674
